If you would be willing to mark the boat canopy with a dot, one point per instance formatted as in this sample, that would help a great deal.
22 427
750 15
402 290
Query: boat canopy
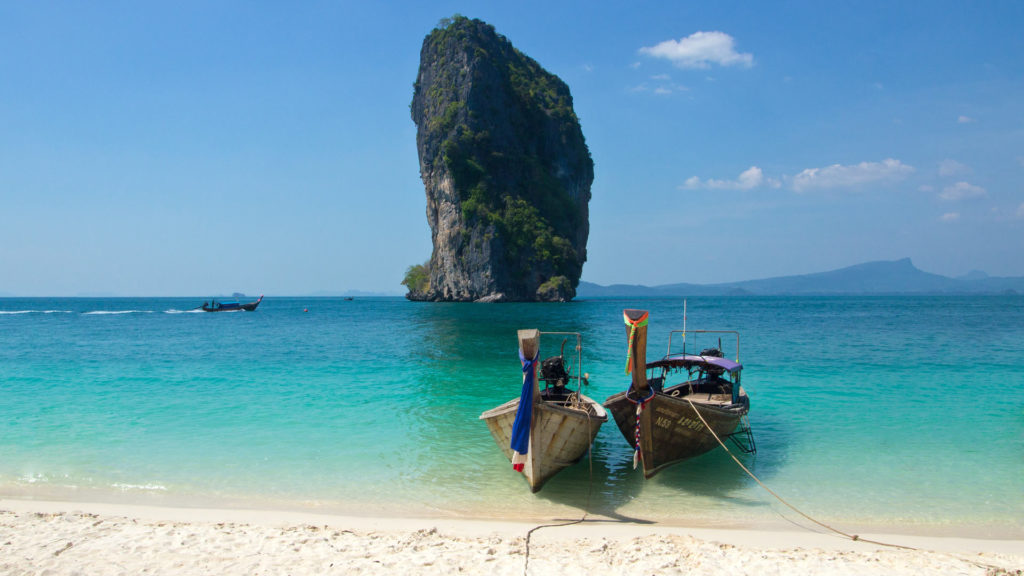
695 361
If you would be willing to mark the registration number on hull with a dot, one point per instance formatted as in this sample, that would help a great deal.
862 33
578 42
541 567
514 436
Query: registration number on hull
669 422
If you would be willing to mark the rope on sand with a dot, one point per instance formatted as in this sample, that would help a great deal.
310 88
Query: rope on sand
590 489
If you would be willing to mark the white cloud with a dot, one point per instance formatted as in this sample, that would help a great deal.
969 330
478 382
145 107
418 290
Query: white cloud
950 217
749 179
926 188
700 50
950 167
964 120
961 191
669 88
1020 210
839 176
661 77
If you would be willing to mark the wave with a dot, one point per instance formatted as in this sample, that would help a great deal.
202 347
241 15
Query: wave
190 311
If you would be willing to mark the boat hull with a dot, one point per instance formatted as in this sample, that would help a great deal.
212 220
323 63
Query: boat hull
559 436
670 430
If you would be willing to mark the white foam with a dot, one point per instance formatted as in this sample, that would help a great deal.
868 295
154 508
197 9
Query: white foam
108 312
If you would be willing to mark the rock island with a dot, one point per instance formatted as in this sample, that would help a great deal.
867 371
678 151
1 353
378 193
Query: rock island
506 171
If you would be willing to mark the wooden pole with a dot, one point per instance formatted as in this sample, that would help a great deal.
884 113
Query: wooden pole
529 343
639 353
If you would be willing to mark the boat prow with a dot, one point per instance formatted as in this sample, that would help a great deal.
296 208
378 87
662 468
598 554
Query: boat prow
252 305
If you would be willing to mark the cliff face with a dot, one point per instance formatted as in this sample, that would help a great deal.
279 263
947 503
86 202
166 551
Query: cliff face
505 167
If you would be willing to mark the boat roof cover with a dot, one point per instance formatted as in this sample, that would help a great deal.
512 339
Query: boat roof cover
691 360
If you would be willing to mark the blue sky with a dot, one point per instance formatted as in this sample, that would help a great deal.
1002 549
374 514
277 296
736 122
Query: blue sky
200 148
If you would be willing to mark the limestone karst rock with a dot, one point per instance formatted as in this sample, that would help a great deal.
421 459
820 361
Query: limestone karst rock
506 171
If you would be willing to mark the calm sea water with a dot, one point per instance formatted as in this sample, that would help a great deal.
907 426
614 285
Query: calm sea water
902 413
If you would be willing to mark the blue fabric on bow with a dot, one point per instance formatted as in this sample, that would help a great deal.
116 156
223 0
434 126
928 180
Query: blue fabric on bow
524 415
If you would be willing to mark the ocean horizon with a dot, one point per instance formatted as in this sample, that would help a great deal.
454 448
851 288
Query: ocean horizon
896 413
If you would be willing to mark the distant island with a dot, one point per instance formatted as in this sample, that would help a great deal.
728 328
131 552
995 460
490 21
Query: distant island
881 277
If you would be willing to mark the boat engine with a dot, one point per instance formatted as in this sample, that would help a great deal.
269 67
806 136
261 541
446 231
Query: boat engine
713 371
552 371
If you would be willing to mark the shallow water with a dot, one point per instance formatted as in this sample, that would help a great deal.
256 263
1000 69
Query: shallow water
888 412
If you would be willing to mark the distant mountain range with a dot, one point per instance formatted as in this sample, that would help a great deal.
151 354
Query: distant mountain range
885 277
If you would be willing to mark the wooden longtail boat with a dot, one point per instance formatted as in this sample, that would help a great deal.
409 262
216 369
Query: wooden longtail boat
543 431
667 423
230 305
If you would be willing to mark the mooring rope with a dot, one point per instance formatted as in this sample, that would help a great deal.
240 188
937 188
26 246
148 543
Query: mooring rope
853 537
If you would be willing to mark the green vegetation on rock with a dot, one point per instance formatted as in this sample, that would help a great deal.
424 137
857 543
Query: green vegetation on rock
417 278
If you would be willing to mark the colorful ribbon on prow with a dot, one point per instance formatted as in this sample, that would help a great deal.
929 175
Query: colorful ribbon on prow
637 452
520 442
640 403
633 325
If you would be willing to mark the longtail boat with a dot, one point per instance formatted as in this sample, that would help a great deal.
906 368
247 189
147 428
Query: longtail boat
544 431
230 305
668 423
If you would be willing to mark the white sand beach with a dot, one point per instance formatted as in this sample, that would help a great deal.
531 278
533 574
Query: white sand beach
56 538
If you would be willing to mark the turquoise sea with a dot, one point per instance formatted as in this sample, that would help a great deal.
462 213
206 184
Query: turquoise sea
903 414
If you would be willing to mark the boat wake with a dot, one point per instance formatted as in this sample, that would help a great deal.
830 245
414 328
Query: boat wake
10 312
112 312
176 311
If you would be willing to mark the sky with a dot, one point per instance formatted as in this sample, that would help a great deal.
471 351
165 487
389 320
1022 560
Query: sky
204 148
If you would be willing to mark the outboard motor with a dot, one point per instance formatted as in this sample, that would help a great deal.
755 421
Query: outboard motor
552 371
713 371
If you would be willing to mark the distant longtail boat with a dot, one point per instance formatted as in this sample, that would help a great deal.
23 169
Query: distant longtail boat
230 305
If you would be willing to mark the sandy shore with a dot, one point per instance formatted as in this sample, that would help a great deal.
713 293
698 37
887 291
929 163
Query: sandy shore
56 538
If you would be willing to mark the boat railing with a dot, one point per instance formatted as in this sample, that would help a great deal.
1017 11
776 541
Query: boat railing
579 377
685 332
